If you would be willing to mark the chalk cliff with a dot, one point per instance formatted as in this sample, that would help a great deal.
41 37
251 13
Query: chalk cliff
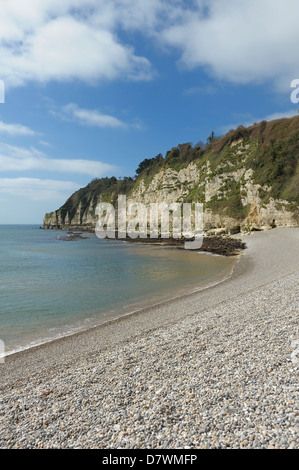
246 180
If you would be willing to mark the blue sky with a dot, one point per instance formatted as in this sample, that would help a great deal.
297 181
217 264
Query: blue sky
93 87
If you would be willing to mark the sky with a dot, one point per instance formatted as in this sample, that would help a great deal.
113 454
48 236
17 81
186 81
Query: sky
90 88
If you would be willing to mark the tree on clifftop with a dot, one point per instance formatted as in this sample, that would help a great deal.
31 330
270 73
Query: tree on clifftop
148 162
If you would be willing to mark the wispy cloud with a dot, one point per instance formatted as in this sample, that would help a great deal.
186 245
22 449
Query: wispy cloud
89 117
250 121
286 114
44 143
13 158
16 130
201 90
37 189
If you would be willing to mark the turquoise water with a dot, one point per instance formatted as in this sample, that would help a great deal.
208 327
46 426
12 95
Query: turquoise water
50 287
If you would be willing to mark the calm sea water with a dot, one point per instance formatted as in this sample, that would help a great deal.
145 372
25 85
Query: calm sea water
50 288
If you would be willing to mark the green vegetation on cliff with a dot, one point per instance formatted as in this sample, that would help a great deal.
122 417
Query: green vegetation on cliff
268 151
106 189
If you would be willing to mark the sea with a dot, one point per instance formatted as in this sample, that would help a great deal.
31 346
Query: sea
51 287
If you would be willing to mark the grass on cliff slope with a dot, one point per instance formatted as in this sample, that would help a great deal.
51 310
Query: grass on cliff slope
272 152
106 189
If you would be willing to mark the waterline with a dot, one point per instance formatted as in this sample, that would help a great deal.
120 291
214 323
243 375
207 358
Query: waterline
50 289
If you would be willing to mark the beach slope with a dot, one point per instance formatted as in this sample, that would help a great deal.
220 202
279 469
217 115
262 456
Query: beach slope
214 369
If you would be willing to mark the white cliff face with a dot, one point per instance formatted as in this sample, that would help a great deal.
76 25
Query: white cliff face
50 220
273 214
169 185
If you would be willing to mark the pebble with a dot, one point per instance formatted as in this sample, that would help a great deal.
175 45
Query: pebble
224 378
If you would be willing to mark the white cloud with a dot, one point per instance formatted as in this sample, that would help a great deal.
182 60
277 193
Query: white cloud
13 158
44 143
37 189
61 41
237 40
91 118
240 41
15 129
139 15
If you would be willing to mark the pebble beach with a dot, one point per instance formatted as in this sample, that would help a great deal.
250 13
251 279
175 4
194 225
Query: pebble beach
215 369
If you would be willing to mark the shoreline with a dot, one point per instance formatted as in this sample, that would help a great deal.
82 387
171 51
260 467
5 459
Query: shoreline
225 245
139 309
143 303
266 270
243 265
